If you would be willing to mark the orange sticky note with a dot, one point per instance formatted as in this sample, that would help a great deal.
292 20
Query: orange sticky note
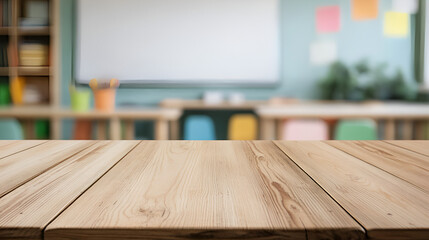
364 9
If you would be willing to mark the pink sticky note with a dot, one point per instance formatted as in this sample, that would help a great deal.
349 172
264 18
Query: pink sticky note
328 19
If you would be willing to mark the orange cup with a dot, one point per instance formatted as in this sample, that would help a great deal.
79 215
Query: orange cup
104 99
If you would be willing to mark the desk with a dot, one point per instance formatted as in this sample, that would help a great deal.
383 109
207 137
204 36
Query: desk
161 117
214 190
272 114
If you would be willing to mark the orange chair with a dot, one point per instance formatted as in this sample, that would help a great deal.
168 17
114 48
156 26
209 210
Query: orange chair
305 130
243 127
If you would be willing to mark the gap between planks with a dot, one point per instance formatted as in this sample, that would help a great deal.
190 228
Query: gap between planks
84 191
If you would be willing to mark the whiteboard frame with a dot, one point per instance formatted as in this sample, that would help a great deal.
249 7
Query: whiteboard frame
180 83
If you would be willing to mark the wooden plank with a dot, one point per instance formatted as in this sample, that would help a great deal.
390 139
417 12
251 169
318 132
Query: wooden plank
407 165
10 147
421 146
386 206
204 189
28 209
21 167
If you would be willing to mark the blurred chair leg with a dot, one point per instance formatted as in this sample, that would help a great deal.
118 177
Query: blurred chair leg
115 129
55 128
161 129
420 130
389 129
331 127
174 130
407 130
29 129
280 130
268 129
129 129
101 130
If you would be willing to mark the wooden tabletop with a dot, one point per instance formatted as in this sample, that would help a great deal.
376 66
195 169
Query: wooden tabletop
214 190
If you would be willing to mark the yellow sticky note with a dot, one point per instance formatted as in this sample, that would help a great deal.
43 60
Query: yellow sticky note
364 9
396 24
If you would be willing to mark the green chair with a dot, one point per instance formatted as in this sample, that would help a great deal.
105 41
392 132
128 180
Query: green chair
364 129
10 129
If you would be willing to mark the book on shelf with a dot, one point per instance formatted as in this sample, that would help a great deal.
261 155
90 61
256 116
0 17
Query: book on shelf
4 60
35 13
33 54
5 12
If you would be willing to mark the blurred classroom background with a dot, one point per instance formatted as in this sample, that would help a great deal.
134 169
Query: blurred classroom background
214 69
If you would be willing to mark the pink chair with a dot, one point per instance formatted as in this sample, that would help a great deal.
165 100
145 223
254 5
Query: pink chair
305 130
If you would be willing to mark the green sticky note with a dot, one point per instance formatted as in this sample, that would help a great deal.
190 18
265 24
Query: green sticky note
396 24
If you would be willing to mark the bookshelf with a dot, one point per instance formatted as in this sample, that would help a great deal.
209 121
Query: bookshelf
29 28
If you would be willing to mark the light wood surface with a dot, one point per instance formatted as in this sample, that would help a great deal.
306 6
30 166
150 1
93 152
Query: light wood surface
45 112
201 105
377 110
191 190
213 190
386 206
23 166
421 147
9 147
27 210
410 166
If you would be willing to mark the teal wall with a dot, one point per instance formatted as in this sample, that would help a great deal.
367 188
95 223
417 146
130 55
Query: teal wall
356 40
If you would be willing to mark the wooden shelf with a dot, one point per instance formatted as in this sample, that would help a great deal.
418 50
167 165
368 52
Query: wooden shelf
4 71
33 71
49 85
5 30
34 31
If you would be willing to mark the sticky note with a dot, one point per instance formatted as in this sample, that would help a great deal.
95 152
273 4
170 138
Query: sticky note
364 9
396 24
405 6
323 52
328 19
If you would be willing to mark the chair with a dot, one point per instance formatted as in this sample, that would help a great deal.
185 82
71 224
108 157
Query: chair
199 127
364 129
305 130
243 127
10 129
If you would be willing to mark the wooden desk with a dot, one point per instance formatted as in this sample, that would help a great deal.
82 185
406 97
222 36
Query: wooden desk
271 115
161 117
214 189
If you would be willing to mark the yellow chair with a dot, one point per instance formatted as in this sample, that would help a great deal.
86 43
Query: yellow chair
243 127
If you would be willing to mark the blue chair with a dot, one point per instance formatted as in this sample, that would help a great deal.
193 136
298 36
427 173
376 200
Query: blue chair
10 129
199 127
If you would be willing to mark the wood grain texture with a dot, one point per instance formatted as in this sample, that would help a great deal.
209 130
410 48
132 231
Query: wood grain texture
386 206
203 189
28 209
420 146
407 165
10 147
23 166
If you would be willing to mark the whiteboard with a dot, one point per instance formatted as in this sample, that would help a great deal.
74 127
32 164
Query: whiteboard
178 41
